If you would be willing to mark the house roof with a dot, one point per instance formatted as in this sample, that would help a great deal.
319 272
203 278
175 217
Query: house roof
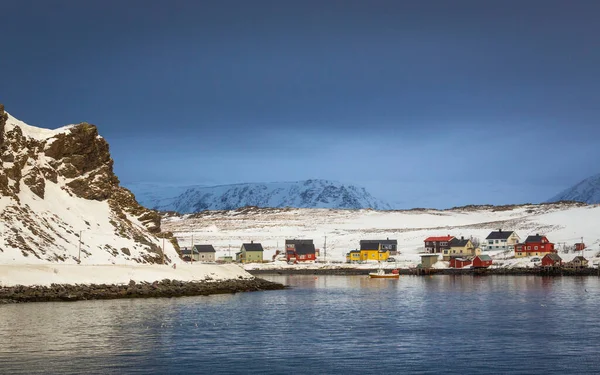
186 251
499 235
536 238
252 246
305 248
555 257
579 257
439 239
369 245
459 242
355 251
384 242
204 248
484 257
298 242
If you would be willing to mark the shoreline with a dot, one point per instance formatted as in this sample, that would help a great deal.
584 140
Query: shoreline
159 289
423 272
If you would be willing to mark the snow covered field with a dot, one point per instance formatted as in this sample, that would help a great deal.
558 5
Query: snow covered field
46 274
561 222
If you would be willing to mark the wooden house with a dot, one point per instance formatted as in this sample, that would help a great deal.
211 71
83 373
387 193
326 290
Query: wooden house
300 250
206 253
578 262
435 245
460 262
372 251
537 245
551 260
390 245
460 247
482 261
250 253
501 240
189 254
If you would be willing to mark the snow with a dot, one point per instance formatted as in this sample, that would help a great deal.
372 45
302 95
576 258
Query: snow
562 223
34 132
47 274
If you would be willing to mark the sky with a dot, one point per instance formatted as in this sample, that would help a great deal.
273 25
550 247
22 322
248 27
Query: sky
425 103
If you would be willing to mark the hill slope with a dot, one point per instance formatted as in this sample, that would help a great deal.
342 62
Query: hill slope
58 194
587 191
299 194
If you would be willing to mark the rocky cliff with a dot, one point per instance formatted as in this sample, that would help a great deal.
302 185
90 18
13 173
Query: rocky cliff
58 193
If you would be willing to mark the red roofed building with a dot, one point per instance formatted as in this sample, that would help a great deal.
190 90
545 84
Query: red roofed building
435 245
534 246
459 262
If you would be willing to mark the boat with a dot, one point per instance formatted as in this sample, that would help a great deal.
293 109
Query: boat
380 274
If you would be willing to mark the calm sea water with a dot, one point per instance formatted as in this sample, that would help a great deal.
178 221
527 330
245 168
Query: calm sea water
324 325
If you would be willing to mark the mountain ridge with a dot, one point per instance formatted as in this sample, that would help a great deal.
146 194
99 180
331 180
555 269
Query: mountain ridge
586 191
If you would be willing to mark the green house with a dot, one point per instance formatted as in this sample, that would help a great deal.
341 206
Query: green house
250 253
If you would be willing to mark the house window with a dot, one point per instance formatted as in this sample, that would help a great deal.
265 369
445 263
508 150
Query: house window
528 247
491 242
520 254
535 248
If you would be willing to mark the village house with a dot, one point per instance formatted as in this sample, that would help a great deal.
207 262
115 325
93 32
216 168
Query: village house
578 262
353 256
300 250
250 253
460 262
551 260
482 261
579 246
501 240
206 253
435 245
534 246
390 245
372 251
460 247
189 254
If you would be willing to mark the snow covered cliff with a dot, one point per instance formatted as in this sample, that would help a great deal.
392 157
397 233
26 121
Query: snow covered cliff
587 191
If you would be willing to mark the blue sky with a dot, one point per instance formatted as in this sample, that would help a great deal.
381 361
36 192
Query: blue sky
425 103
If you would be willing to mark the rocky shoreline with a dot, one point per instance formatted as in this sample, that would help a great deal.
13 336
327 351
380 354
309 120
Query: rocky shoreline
447 271
164 288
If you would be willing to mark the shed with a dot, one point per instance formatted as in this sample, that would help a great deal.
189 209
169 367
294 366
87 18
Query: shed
428 260
482 261
460 262
551 260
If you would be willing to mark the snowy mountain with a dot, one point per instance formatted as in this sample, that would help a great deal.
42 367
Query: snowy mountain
299 194
59 198
587 191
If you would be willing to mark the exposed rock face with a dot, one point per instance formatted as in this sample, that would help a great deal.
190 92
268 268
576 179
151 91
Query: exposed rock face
77 161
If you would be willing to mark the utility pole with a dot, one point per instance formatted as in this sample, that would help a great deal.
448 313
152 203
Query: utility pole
192 250
79 257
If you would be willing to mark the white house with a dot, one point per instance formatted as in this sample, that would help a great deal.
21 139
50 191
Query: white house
500 240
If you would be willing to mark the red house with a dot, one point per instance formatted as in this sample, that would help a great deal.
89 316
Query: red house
459 262
435 245
551 260
579 246
534 246
300 250
482 261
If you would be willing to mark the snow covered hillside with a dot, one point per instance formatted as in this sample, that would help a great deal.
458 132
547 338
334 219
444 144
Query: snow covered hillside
59 198
345 228
299 194
587 191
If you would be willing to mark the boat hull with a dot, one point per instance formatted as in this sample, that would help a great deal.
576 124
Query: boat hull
385 276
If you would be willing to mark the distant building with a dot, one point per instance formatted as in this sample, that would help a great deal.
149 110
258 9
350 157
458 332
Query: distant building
435 245
189 254
250 253
500 240
300 250
390 245
206 253
551 260
482 261
537 245
460 247
225 259
372 251
580 246
428 260
353 256
460 262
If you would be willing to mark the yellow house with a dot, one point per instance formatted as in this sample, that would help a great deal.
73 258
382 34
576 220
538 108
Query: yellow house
372 251
353 256
460 248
